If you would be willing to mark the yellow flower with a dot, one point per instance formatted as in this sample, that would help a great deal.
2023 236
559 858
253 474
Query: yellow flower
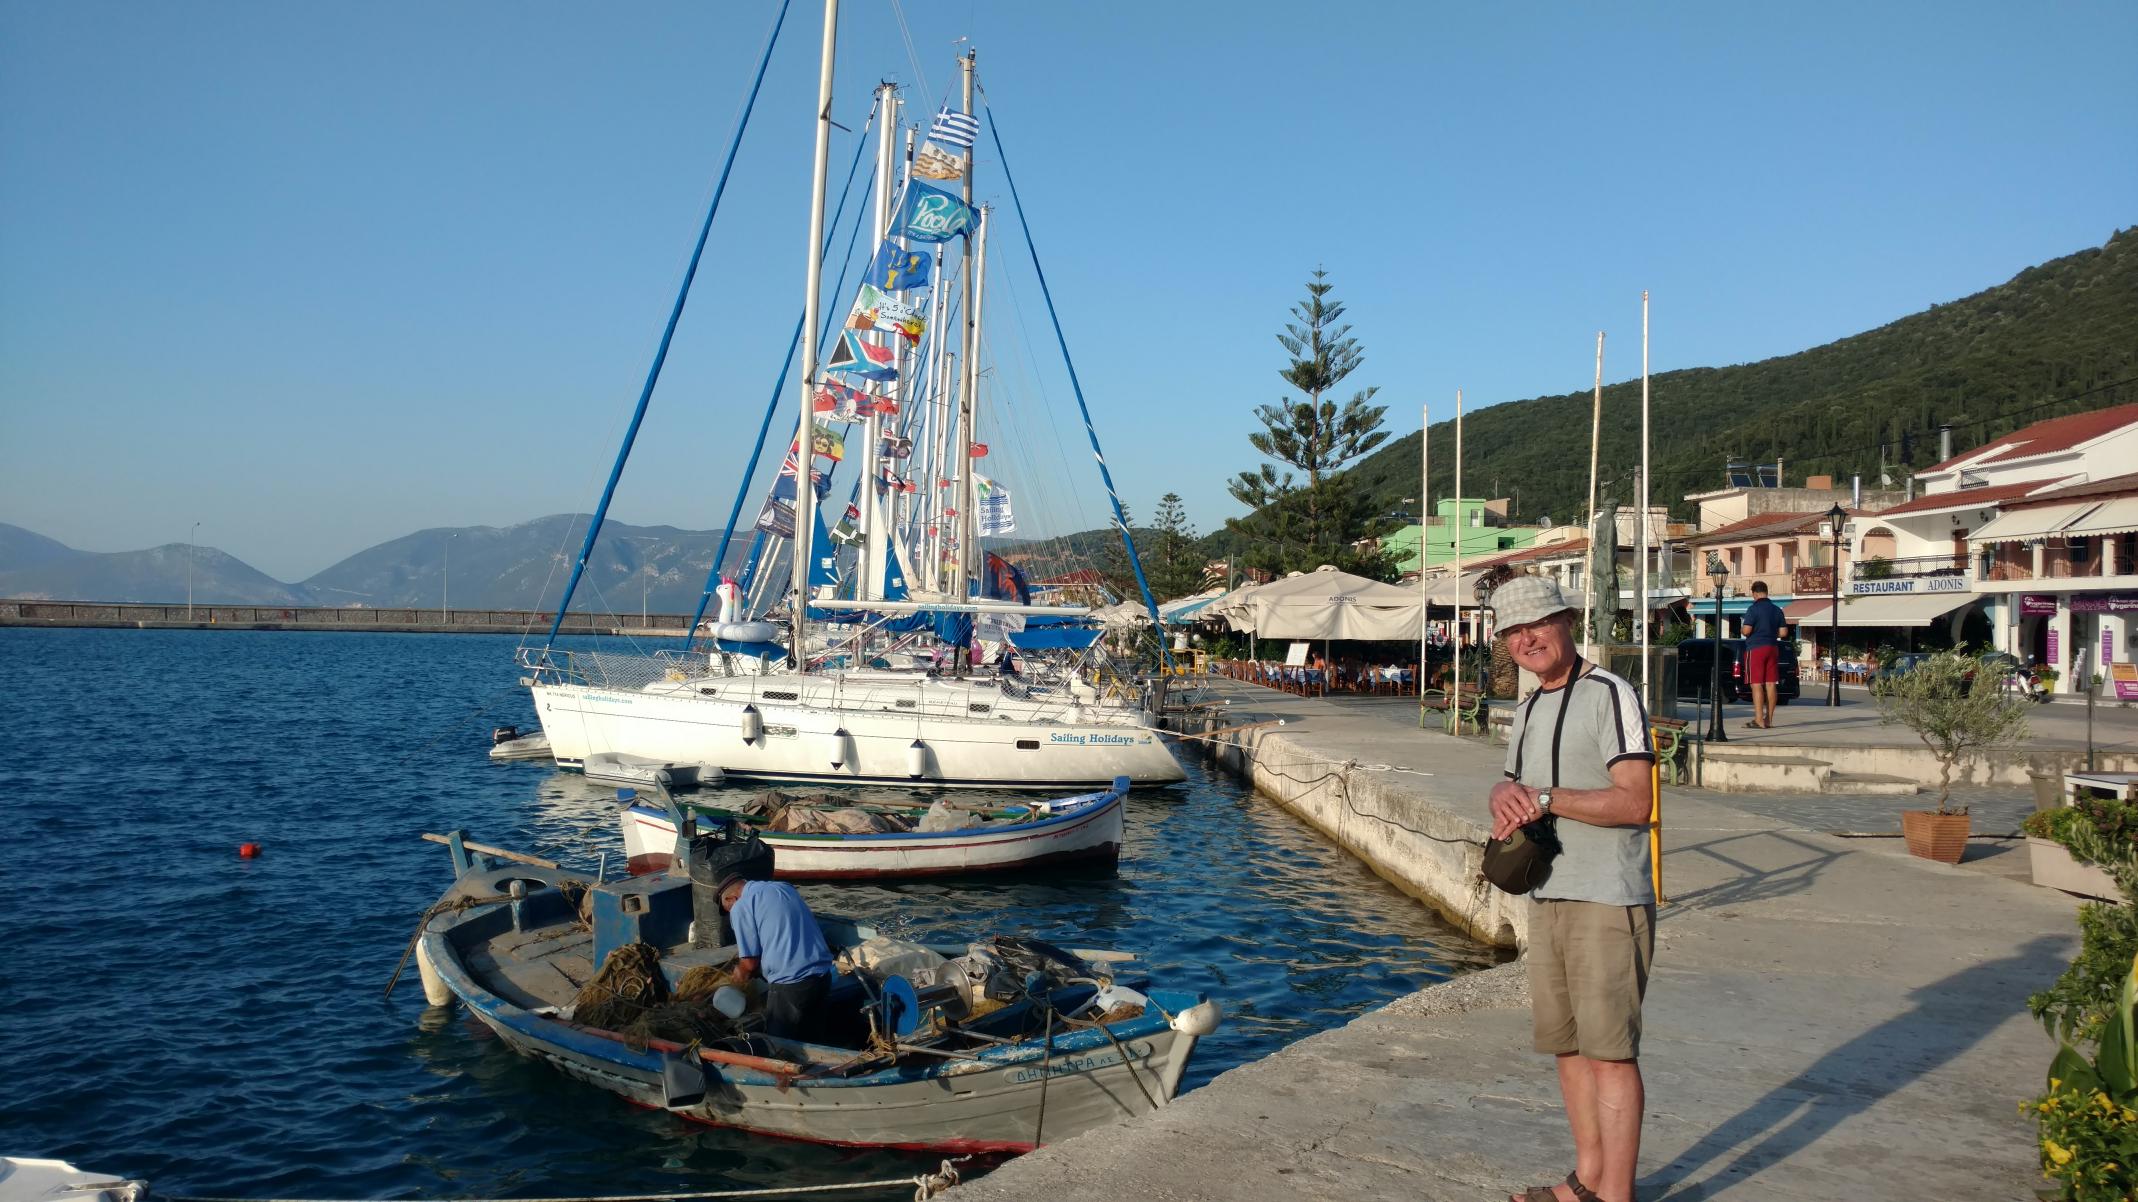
2042 1106
2055 1085
2057 1152
2129 1115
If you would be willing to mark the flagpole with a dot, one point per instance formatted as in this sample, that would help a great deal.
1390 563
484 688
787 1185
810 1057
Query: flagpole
1425 507
1642 596
805 492
1589 588
1455 691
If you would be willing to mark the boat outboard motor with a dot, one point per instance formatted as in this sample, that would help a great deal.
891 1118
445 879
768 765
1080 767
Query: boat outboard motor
503 734
714 856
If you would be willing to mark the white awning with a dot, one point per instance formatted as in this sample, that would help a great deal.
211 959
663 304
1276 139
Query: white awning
1881 611
1452 591
2113 516
2020 525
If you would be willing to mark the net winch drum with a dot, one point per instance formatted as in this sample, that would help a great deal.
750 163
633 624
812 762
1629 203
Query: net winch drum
907 1009
713 856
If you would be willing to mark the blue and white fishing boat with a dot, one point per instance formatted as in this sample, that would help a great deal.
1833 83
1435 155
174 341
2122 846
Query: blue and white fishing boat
996 1046
1084 829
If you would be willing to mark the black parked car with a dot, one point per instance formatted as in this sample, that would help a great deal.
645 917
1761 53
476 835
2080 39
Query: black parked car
1899 665
1696 668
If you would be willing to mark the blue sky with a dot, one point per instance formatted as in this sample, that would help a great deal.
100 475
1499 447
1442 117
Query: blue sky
316 276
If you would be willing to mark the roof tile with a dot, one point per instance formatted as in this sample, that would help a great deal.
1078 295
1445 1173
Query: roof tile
2046 438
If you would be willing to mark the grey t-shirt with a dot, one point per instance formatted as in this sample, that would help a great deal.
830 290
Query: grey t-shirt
1597 720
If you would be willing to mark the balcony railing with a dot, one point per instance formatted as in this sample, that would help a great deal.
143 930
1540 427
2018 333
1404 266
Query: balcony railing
1881 568
2053 568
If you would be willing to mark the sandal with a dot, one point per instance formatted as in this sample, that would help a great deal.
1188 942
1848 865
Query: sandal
1545 1193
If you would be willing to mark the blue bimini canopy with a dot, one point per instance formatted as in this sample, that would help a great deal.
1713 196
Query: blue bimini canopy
1051 632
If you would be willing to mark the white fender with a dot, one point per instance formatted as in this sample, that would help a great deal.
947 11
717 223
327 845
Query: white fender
746 632
839 746
917 760
753 725
434 990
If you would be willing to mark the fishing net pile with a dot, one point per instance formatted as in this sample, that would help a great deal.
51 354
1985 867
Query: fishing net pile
819 814
631 997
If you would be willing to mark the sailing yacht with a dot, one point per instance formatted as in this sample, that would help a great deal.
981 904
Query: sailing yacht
752 707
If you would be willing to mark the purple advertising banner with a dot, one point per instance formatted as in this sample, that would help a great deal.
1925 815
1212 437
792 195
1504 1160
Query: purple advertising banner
2105 603
2055 658
2037 605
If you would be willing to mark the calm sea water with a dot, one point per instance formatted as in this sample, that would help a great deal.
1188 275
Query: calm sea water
216 1025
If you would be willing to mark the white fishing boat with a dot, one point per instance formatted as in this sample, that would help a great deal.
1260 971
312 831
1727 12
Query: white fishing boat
1082 829
998 1045
752 700
29 1179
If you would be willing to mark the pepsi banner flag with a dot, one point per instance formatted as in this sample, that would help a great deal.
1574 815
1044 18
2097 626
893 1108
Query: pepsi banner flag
933 215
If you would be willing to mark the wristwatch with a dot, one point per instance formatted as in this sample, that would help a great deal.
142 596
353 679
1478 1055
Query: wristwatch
1544 801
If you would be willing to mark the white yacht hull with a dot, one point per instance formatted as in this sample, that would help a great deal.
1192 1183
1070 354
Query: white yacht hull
855 734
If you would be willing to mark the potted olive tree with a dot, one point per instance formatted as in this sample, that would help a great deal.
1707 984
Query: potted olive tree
1952 703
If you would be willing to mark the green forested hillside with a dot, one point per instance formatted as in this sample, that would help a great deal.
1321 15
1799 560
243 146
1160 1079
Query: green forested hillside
2059 338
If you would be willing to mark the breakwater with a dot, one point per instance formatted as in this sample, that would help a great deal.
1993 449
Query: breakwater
369 619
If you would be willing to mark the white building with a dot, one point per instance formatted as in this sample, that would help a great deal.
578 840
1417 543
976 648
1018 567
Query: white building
1961 552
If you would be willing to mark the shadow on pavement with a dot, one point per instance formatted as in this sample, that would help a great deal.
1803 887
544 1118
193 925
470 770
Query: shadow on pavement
1949 1016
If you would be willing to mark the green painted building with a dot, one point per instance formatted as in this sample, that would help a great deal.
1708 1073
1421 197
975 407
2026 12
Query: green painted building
1482 534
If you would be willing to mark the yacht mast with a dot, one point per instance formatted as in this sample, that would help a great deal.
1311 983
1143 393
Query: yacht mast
870 561
961 573
805 492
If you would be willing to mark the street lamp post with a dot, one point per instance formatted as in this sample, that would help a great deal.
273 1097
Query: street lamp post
445 584
645 576
1719 572
1834 518
191 535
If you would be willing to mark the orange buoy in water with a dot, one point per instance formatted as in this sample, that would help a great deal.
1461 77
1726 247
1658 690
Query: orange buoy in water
248 851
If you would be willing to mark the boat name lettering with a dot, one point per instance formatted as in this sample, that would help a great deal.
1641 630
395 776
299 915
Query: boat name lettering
779 732
608 698
1065 1065
1095 740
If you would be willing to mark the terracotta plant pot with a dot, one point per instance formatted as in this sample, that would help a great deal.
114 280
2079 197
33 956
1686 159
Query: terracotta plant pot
1935 836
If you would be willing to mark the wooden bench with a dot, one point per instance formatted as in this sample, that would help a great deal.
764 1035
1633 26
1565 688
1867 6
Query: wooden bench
1669 735
1501 722
1470 713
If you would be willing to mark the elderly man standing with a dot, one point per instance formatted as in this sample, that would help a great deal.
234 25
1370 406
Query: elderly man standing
1579 755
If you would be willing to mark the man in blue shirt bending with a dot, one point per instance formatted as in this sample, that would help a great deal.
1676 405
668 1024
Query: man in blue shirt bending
777 935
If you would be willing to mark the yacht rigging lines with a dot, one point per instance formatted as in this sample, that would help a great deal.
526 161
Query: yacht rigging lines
757 709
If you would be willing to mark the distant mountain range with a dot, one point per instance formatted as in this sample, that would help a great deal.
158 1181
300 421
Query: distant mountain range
468 567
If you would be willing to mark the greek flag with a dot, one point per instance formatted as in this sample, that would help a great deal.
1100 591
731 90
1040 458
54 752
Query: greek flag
954 129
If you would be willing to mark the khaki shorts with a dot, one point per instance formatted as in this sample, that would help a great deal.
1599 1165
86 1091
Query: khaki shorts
1588 970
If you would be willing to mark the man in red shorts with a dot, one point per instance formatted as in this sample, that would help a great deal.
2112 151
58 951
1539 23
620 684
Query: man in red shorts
1764 625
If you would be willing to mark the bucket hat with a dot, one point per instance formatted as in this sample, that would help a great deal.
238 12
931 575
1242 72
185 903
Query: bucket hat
1527 599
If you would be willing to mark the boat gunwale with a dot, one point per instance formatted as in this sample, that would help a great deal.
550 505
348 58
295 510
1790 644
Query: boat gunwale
1105 800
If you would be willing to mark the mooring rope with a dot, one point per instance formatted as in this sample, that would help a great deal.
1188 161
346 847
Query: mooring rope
925 1186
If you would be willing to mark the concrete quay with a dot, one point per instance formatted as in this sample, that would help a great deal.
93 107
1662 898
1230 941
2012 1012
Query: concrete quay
1828 1019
